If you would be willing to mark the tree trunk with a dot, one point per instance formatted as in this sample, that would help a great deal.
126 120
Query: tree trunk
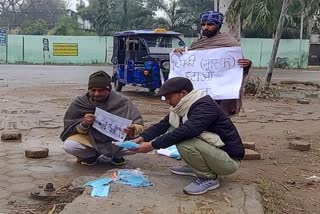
235 30
277 38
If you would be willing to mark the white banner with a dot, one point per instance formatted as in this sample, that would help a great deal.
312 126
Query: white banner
110 125
215 71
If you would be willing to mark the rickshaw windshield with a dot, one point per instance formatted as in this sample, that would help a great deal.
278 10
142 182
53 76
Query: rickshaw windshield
162 44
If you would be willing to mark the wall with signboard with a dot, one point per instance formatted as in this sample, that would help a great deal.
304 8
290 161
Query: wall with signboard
3 44
96 50
62 49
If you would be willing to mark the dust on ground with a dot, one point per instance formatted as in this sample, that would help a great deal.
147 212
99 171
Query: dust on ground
271 123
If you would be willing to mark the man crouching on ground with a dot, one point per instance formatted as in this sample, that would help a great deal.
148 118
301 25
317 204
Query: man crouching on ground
80 138
205 137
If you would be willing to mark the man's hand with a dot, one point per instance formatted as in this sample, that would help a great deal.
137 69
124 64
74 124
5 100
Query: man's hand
138 140
88 119
144 147
127 152
244 63
129 131
179 50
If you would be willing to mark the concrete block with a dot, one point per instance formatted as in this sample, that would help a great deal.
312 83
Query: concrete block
312 95
249 145
303 101
37 152
11 136
251 155
300 146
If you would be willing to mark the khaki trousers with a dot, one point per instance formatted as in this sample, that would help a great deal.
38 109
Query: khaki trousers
207 161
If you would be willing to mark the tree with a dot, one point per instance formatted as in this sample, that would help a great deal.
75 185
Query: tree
89 12
7 9
173 15
66 26
316 24
117 15
259 17
181 15
38 27
49 10
283 14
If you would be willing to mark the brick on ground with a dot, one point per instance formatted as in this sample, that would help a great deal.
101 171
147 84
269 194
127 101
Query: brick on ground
11 136
37 152
249 145
252 155
303 101
299 145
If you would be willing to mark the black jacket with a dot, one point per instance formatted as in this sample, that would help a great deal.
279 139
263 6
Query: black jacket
204 115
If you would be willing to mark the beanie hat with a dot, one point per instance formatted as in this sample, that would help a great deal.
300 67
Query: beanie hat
99 79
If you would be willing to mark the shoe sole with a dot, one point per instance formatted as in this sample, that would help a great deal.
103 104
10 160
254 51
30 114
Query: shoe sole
117 164
200 193
183 173
89 164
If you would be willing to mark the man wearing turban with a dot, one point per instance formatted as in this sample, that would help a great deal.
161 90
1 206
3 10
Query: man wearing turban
211 38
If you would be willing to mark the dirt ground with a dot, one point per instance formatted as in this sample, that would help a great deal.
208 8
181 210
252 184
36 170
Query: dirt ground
271 123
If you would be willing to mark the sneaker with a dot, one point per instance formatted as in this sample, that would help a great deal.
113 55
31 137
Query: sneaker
90 161
182 170
201 185
118 161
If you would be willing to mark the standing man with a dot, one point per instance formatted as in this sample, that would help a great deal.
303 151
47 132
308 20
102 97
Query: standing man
211 38
205 137
80 138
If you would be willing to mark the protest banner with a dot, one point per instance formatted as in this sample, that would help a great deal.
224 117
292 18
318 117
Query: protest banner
215 71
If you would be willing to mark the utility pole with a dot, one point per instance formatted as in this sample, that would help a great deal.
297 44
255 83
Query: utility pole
216 5
301 37
276 43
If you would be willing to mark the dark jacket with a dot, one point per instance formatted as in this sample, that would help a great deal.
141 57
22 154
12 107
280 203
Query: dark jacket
204 115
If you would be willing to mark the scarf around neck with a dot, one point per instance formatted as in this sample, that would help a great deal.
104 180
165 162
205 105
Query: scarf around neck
182 108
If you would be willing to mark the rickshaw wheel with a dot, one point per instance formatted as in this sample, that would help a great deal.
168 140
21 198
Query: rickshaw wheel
117 85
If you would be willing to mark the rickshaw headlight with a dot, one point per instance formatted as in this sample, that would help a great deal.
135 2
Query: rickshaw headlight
146 72
166 65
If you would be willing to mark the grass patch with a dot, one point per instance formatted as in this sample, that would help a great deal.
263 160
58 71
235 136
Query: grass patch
271 199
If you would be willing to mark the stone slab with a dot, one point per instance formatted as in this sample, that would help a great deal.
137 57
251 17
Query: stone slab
167 197
249 145
300 146
36 152
251 155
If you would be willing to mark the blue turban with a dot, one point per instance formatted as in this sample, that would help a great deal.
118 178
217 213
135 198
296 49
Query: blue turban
212 17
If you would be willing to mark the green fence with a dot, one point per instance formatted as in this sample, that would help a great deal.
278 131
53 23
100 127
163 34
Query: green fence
288 55
97 50
62 50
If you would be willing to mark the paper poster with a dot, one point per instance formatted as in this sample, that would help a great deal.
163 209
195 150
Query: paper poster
215 71
111 125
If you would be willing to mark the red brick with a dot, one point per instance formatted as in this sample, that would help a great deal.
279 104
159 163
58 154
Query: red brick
300 146
251 155
11 136
249 145
36 152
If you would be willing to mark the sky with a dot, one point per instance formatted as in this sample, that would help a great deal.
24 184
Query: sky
71 4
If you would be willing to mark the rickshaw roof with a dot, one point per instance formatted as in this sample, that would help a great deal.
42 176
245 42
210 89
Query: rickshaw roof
139 32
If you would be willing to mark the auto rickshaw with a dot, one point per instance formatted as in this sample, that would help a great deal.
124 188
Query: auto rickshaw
141 57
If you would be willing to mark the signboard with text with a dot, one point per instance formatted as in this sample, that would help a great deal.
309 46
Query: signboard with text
3 36
65 49
45 42
214 71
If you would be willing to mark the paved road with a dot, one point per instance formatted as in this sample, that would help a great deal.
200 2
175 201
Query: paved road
26 75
